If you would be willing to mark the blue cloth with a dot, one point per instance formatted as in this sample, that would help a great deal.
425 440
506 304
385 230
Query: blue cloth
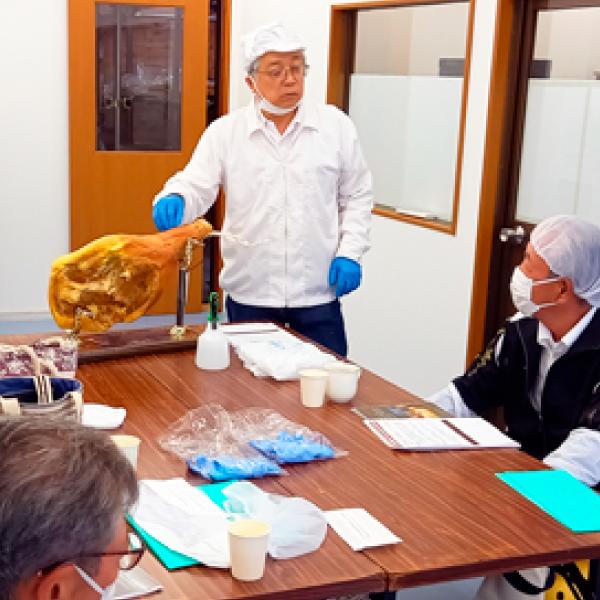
168 212
226 468
290 448
345 274
322 323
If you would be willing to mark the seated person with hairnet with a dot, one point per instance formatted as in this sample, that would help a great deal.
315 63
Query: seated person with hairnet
65 490
543 367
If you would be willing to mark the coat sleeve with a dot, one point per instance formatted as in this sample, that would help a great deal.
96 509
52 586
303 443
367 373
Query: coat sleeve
579 454
482 386
355 196
201 178
451 401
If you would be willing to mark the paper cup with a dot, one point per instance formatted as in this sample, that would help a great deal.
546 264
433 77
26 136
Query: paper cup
312 387
248 541
129 446
343 381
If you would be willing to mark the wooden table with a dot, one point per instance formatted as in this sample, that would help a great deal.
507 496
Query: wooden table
456 518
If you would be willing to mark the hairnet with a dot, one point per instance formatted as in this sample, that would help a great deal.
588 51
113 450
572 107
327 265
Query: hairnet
571 247
268 38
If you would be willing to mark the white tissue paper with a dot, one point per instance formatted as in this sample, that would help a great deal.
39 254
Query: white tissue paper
102 417
184 519
277 354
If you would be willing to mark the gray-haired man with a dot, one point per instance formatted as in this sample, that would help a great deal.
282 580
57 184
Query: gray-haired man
64 493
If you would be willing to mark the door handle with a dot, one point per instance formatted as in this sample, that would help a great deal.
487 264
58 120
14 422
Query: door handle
109 103
513 235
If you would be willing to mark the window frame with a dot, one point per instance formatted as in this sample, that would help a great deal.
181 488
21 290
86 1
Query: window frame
342 49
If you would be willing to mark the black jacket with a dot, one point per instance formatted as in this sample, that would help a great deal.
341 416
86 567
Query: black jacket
571 394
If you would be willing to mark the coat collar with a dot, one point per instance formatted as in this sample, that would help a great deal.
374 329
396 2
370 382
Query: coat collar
589 338
306 116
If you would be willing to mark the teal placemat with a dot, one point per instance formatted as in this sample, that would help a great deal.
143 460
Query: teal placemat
169 558
563 497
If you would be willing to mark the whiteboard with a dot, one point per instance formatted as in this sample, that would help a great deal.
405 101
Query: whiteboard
408 127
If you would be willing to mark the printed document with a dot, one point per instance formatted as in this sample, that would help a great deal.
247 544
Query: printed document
459 433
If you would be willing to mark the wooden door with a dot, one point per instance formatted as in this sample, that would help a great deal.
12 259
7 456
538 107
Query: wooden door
138 74
551 151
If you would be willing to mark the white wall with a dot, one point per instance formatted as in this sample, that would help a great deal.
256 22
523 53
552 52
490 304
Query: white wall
33 151
409 320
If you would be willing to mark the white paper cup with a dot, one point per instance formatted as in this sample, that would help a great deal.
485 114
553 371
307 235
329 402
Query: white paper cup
248 541
129 446
312 387
343 381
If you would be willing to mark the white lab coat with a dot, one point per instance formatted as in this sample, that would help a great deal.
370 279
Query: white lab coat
299 199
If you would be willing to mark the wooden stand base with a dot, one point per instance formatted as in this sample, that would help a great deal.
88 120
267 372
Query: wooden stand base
94 347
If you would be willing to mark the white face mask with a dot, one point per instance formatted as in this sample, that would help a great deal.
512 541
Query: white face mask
520 290
273 109
106 593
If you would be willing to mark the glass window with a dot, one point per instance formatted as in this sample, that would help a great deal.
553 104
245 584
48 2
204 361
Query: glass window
561 148
138 58
405 98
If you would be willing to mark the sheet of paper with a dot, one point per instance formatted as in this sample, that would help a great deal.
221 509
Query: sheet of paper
359 529
135 583
231 328
558 493
484 433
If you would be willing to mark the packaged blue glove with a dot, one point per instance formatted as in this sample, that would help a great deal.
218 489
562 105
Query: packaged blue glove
225 468
345 274
293 448
168 212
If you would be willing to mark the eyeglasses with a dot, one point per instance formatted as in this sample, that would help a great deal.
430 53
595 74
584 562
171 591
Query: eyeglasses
280 73
128 558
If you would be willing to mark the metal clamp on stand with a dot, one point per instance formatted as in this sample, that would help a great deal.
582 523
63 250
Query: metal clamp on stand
185 263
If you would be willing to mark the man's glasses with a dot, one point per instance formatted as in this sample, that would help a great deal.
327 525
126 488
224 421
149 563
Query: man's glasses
128 558
280 73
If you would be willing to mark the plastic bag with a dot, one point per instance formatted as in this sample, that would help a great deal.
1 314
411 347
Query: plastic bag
297 525
247 443
205 439
281 439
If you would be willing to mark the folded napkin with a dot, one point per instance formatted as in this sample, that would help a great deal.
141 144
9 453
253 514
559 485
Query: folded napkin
277 354
100 416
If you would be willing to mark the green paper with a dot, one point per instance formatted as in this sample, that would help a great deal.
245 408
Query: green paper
561 495
169 558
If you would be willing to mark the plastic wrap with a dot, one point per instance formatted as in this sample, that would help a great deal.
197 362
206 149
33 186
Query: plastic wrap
55 356
248 443
281 439
205 439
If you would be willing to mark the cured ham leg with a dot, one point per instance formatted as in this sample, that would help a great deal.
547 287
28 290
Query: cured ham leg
116 277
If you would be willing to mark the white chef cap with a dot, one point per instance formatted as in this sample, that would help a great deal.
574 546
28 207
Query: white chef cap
571 247
268 38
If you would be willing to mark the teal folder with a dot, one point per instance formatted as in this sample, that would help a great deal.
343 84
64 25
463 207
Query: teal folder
558 493
169 558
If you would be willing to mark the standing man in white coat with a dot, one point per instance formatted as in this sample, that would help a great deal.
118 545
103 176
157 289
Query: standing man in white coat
297 189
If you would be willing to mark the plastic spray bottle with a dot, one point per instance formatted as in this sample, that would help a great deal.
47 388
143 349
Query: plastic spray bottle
212 348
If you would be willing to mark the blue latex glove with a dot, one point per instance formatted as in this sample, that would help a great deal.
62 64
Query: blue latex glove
290 448
168 212
226 468
345 275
